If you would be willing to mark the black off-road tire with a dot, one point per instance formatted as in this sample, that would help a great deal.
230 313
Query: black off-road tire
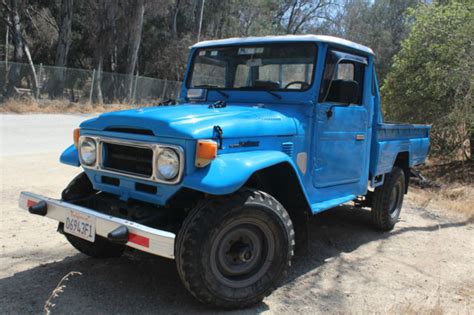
388 200
81 187
100 248
209 253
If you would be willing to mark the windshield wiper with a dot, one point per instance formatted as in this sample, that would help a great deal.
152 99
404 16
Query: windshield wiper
214 87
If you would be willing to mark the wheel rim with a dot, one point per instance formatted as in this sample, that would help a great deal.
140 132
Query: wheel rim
395 200
242 252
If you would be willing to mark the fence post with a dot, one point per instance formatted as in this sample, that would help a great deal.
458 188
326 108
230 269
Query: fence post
40 76
92 86
163 93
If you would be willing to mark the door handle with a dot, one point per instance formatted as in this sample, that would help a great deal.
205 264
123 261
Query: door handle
360 137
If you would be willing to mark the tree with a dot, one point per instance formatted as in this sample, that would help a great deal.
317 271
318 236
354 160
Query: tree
104 33
20 49
433 76
62 48
379 24
293 15
136 24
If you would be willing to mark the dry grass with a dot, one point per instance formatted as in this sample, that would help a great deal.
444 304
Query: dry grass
56 106
455 197
456 187
48 306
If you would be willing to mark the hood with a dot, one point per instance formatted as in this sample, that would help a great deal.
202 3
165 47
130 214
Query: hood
197 121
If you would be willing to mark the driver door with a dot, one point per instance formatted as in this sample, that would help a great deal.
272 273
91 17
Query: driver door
341 128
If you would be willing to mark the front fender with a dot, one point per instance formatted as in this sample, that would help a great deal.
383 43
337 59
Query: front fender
70 156
229 172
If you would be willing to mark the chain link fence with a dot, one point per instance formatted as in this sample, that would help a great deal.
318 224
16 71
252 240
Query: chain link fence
42 83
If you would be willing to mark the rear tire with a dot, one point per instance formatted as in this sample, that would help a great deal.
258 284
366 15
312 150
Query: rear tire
81 187
233 251
388 200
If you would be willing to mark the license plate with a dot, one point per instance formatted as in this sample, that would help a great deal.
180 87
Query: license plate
80 225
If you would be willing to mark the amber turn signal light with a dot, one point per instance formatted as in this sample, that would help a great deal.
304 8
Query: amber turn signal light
75 137
206 151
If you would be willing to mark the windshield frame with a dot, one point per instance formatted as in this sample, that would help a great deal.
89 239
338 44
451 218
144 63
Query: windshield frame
314 45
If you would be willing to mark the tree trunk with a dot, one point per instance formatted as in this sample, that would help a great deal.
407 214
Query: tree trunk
175 19
134 45
201 12
62 48
33 71
98 79
471 143
4 73
105 15
17 40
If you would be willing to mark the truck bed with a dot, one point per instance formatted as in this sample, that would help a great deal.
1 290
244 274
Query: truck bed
390 139
395 131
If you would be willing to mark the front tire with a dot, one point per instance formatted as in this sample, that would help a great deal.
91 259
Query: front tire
81 187
388 200
233 251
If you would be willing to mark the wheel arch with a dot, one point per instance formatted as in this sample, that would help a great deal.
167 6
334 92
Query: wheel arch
282 182
270 171
402 160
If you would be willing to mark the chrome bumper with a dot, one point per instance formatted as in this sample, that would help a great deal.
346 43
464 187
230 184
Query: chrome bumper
141 237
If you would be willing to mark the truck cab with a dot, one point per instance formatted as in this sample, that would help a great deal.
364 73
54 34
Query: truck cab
267 132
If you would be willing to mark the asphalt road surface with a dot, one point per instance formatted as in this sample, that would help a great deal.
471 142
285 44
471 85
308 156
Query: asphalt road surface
424 265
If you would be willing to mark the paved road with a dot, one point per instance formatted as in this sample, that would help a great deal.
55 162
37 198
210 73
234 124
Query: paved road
423 266
37 134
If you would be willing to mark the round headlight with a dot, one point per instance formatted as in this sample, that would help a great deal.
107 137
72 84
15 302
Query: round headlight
88 151
168 164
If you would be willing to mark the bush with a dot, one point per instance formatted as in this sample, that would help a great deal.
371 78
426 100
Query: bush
432 77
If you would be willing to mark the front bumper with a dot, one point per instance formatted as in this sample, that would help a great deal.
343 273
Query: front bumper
141 237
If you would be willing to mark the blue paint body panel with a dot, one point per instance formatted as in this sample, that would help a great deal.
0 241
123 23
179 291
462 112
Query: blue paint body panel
70 156
344 151
245 164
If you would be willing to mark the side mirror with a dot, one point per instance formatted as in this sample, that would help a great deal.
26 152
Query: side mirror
343 91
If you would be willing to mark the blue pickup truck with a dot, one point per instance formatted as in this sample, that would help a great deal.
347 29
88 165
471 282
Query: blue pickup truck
267 132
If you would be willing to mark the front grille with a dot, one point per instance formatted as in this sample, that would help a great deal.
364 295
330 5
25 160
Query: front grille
133 160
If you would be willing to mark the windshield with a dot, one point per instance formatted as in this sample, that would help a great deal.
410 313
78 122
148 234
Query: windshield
286 67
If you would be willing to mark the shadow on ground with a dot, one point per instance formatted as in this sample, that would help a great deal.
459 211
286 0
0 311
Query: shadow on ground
148 284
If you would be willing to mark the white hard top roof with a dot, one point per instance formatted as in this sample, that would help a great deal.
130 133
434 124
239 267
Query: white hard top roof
284 38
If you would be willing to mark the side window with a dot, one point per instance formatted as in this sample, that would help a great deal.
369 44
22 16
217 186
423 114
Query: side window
341 77
345 71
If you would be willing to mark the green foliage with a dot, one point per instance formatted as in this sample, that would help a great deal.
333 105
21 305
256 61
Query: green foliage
380 24
433 75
